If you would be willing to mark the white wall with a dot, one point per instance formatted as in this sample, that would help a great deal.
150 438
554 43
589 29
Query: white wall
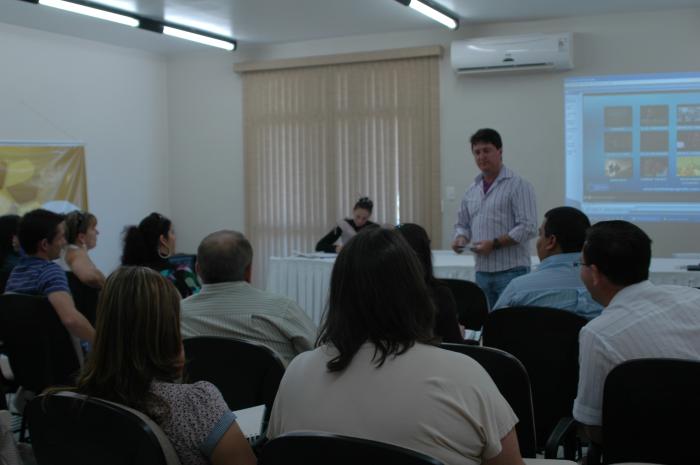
58 88
205 110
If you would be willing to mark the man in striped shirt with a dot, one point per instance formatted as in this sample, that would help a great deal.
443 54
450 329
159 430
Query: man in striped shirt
640 319
42 236
498 216
229 306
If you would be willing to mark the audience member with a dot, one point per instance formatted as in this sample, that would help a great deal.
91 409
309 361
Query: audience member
81 236
150 244
138 359
498 216
9 243
375 375
229 306
348 227
42 236
640 319
446 324
557 281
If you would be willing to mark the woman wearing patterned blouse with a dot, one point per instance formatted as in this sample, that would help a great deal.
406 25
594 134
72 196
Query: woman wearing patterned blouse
137 360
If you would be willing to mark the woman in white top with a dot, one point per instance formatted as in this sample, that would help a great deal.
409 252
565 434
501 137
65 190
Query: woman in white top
377 376
81 236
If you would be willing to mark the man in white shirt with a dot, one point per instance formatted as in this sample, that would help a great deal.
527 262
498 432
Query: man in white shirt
640 319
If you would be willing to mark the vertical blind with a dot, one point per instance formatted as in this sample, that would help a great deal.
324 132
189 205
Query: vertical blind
318 138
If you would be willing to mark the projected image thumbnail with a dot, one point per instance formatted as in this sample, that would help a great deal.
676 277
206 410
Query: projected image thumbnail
653 115
688 115
654 167
688 166
688 141
618 117
618 142
653 141
618 167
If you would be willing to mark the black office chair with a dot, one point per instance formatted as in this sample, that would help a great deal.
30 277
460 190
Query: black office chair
246 373
4 276
472 306
324 448
71 429
650 412
84 296
512 381
545 340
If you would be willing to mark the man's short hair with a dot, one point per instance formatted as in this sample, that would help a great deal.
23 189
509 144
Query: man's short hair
620 250
36 226
569 225
486 136
223 257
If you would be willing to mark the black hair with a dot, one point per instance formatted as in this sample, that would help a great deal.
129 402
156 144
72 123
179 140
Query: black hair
8 229
486 136
223 257
377 295
569 225
36 226
418 239
365 203
620 250
141 242
78 222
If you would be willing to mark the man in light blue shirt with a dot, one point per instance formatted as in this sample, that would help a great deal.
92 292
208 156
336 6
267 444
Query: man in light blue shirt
557 282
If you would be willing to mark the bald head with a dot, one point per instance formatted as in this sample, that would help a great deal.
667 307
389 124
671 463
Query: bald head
224 256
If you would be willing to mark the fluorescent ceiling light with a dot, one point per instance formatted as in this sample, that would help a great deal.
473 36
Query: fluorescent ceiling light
89 11
171 31
431 12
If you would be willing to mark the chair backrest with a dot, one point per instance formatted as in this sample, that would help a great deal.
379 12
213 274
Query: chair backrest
472 306
73 429
4 276
511 379
40 350
324 448
650 412
545 340
84 296
246 373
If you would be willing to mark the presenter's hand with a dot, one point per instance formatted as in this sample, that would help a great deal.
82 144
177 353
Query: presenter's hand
459 244
482 247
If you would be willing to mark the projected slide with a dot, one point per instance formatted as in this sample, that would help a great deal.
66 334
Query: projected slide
633 146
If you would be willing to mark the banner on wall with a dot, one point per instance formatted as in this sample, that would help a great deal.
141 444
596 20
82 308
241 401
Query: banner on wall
42 176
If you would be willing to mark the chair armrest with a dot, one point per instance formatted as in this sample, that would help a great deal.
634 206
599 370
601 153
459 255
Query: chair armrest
562 434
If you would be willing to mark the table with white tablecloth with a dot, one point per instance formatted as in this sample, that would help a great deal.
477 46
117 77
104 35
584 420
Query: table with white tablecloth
307 280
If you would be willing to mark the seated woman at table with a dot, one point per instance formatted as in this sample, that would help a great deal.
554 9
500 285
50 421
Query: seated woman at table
150 244
446 324
81 236
9 244
138 359
348 227
376 375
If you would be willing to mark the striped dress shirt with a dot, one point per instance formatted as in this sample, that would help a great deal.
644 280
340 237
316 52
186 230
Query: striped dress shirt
509 207
237 309
642 321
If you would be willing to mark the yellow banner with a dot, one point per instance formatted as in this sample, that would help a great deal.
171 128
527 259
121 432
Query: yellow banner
42 176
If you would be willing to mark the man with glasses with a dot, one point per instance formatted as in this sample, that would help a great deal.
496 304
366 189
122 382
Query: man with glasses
498 217
557 281
640 319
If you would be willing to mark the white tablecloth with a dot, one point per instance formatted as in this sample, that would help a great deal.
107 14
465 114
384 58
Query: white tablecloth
307 280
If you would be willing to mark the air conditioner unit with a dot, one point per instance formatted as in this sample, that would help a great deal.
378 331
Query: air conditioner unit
513 53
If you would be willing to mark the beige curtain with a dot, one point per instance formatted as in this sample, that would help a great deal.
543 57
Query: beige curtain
318 138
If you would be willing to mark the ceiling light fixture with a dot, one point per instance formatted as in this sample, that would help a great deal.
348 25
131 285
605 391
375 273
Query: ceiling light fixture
142 22
433 11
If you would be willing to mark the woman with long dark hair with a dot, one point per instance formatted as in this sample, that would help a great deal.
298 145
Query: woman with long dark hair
348 227
376 376
150 244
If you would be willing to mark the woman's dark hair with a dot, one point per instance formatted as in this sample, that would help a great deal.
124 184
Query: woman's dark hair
377 295
365 203
137 339
8 229
141 242
78 222
418 239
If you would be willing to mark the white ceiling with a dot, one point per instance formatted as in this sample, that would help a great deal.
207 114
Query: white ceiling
254 22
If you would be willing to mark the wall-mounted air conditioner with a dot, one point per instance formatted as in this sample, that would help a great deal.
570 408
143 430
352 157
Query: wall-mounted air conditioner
513 53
